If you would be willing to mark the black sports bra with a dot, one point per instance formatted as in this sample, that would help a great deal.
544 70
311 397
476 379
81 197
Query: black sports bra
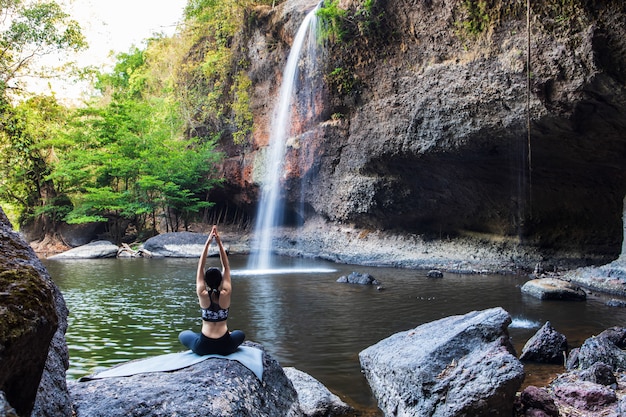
214 313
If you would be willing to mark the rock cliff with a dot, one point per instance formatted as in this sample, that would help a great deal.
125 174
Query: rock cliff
428 133
33 320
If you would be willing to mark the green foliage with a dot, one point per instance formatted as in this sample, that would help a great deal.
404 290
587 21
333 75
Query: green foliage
241 107
342 79
27 150
477 16
214 90
33 28
126 160
334 21
353 37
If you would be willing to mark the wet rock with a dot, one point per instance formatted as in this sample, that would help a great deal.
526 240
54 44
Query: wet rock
315 399
93 250
217 387
585 395
546 346
616 335
177 245
5 408
456 365
599 373
31 317
609 278
597 349
435 273
616 303
358 278
553 289
536 401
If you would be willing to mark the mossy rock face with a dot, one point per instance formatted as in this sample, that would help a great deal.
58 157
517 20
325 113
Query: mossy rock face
28 321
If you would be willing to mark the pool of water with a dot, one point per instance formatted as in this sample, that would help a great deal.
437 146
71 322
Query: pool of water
124 309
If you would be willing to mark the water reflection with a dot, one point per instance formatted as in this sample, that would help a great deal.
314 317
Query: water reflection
132 308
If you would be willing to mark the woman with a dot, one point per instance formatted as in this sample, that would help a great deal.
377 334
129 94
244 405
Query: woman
214 290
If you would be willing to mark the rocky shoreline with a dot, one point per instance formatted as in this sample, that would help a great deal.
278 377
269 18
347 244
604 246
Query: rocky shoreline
585 388
471 254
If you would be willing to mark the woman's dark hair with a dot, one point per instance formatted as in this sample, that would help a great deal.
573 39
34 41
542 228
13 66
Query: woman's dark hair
212 278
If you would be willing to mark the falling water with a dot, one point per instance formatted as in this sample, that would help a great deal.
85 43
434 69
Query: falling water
269 214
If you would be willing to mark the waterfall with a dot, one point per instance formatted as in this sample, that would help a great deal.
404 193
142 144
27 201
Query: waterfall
270 210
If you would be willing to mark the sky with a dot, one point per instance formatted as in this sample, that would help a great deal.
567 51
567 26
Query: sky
112 25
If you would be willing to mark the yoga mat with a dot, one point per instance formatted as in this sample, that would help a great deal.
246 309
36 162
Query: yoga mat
250 357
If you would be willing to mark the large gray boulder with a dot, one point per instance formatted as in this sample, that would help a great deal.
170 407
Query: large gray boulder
33 320
459 365
546 346
211 388
176 245
93 250
553 289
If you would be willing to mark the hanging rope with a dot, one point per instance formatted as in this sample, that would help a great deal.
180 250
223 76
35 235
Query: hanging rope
528 75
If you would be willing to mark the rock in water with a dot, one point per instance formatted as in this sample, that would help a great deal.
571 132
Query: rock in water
460 365
315 399
546 346
93 250
358 278
553 289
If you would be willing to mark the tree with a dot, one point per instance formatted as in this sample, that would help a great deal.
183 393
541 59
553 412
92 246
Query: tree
33 29
27 151
125 160
30 30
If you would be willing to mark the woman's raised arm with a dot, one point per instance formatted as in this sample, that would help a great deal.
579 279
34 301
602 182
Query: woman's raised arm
226 284
201 262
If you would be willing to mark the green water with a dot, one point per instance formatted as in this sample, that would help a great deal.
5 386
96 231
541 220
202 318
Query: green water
123 309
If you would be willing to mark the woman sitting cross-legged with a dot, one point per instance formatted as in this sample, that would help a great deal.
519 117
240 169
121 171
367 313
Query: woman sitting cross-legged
214 290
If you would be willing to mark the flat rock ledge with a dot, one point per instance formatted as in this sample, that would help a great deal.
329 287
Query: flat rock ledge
211 388
609 278
553 289
459 365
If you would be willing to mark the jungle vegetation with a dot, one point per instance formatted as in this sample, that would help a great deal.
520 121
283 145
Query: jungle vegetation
142 151
141 154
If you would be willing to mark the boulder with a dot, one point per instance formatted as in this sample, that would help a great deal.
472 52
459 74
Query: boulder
534 401
76 235
609 278
5 408
584 395
546 346
93 250
33 314
177 245
599 373
435 273
592 386
616 335
597 349
459 365
315 399
553 289
211 388
614 302
358 278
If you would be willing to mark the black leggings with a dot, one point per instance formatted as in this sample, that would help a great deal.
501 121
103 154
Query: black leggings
202 345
